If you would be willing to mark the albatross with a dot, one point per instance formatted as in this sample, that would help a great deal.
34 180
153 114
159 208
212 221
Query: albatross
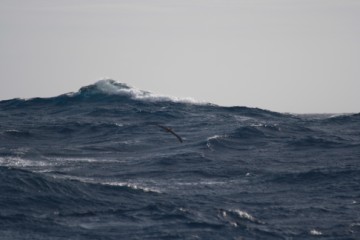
167 129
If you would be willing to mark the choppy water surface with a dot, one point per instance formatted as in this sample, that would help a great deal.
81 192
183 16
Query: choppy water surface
95 165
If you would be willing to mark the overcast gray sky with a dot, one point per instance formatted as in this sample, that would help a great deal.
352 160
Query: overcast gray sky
300 56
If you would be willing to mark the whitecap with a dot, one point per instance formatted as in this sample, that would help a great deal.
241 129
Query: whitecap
244 215
231 216
134 186
119 124
110 86
216 137
12 131
21 162
212 138
315 232
257 125
206 183
131 185
62 160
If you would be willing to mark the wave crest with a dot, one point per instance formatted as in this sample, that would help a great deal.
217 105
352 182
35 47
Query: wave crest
112 87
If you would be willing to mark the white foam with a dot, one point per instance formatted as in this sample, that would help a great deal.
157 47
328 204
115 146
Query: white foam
183 210
89 160
239 213
216 137
355 224
339 115
135 186
110 86
315 232
242 119
206 183
12 131
119 124
70 94
21 162
47 165
244 215
234 224
264 125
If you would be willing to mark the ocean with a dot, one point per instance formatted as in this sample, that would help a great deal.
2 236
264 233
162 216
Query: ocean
99 164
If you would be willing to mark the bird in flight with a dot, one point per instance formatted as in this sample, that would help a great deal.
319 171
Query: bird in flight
167 129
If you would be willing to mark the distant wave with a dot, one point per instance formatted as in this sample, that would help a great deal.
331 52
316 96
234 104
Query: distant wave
112 87
103 90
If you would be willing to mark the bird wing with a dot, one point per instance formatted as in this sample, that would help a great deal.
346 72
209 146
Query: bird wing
177 136
163 127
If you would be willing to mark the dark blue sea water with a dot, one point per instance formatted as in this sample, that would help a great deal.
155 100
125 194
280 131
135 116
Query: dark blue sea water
95 165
